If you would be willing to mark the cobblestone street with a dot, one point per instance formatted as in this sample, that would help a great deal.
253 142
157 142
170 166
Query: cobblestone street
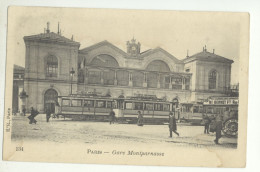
93 133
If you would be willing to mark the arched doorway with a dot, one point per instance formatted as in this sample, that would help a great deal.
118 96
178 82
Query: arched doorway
50 99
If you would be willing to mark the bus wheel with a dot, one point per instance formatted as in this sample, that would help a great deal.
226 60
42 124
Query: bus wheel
230 128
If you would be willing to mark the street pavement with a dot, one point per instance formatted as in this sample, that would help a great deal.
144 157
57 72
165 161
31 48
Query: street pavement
94 133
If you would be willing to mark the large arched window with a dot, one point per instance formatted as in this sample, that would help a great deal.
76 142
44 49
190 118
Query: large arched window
52 66
153 78
104 60
158 66
213 80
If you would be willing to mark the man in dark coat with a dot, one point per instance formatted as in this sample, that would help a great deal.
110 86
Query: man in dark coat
207 122
172 125
34 113
112 116
48 114
218 128
140 121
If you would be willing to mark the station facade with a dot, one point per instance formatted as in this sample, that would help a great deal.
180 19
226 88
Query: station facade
56 66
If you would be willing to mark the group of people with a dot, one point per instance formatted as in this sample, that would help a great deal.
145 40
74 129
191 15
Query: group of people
218 126
35 112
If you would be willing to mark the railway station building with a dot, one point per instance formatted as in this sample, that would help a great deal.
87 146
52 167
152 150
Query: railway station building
57 66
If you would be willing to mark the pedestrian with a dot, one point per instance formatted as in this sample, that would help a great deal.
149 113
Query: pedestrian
13 112
218 128
48 114
140 121
34 113
57 109
24 111
206 123
172 124
112 116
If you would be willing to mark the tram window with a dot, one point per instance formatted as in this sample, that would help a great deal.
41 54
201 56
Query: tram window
138 106
101 104
76 103
166 107
210 110
235 101
200 109
195 109
158 107
148 106
89 103
128 105
188 108
109 105
65 102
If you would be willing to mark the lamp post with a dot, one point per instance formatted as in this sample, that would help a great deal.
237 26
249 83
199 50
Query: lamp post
72 72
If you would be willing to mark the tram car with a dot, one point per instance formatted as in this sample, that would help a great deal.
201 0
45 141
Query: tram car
97 107
85 107
154 110
227 108
192 113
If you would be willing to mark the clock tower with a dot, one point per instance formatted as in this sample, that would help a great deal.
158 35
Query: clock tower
133 48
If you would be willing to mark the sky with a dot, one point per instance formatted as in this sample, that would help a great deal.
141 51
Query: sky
174 31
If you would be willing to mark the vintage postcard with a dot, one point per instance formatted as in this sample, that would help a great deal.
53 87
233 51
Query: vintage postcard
132 87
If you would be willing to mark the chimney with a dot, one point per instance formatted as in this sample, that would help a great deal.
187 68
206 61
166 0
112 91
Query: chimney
48 27
187 53
213 51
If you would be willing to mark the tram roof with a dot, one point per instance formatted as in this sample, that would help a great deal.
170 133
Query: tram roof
226 105
222 97
86 97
